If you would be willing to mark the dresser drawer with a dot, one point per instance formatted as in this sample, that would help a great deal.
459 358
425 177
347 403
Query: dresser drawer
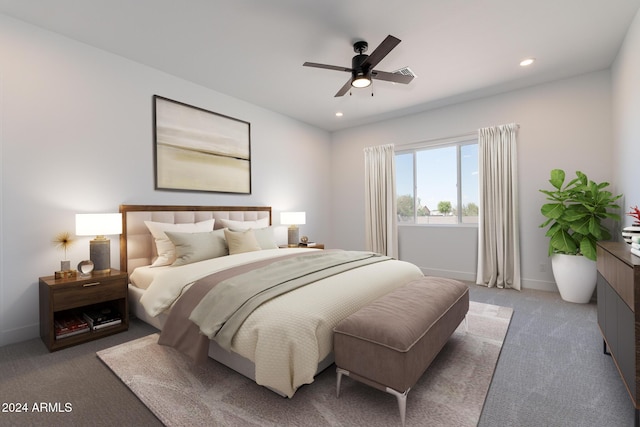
619 275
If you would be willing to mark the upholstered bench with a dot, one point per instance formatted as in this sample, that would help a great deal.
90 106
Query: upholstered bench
391 342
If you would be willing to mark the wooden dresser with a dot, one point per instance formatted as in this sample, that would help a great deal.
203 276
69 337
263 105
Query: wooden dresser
618 292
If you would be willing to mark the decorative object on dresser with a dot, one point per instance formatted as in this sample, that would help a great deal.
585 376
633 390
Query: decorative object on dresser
293 219
574 216
635 245
63 303
200 150
99 225
85 267
64 241
305 243
309 245
619 313
629 232
632 230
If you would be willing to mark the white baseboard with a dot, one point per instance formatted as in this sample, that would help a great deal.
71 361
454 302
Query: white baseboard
534 284
25 333
539 285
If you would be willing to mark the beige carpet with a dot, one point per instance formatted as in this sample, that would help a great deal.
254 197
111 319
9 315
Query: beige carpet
450 393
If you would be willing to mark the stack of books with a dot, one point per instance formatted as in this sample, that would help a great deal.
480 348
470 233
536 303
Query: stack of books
635 245
99 318
69 324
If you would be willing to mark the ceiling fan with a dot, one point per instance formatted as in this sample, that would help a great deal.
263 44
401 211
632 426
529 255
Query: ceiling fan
362 66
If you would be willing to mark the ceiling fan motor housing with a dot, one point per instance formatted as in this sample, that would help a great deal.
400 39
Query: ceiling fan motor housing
356 65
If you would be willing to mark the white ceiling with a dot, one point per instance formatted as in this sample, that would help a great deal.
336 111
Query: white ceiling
253 50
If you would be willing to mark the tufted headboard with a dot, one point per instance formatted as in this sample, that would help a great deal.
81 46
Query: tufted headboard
137 247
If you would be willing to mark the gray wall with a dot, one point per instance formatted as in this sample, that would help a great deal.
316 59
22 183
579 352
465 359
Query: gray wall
565 124
626 118
76 137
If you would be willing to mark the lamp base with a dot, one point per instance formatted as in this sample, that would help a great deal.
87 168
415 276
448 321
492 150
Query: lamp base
100 255
293 239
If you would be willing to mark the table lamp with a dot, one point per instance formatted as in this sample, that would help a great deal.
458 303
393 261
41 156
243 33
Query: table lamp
293 219
99 225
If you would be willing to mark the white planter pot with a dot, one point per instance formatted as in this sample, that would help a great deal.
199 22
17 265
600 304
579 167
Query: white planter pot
575 276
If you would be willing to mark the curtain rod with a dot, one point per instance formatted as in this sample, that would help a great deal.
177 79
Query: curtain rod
442 141
438 141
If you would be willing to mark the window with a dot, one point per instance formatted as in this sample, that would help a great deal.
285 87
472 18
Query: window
438 184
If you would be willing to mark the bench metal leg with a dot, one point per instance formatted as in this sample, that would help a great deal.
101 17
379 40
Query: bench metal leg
402 402
400 397
339 372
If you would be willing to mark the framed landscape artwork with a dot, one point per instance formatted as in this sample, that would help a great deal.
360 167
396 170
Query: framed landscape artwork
199 150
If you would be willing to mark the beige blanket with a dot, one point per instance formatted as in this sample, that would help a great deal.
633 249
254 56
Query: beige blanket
223 310
288 336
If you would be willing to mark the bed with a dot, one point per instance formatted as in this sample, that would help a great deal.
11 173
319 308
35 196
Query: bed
286 340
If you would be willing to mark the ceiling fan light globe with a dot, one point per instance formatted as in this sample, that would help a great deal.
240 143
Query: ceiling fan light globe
360 82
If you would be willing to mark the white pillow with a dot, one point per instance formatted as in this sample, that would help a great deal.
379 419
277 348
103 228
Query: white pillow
241 241
166 249
244 225
194 247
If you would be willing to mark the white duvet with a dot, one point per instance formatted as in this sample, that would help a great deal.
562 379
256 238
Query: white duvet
288 336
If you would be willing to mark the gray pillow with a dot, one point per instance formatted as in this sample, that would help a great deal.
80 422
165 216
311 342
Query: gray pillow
194 247
264 236
241 241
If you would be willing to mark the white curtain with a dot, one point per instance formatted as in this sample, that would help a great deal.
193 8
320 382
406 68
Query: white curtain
498 230
380 200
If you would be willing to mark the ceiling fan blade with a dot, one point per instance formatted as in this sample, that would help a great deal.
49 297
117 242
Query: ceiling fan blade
391 77
328 67
381 51
344 89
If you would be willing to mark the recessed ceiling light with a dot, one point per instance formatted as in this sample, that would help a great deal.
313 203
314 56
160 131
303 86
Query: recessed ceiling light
339 114
527 61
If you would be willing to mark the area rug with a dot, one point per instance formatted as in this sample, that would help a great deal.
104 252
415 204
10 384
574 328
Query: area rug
450 393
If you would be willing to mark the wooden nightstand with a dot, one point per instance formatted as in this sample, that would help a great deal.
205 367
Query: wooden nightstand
316 246
60 297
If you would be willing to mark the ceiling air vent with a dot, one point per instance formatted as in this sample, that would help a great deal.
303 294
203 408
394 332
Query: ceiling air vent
405 71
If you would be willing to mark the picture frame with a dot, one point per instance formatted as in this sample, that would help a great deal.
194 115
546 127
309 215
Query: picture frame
199 150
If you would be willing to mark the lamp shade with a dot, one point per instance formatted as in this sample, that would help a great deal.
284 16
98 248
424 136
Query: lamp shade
98 224
292 218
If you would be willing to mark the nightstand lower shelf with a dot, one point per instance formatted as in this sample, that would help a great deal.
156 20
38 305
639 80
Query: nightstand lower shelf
60 343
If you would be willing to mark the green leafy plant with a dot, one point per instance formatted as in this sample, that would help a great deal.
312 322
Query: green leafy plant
575 214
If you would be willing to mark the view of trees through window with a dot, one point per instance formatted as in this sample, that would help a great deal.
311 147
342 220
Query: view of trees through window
438 185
